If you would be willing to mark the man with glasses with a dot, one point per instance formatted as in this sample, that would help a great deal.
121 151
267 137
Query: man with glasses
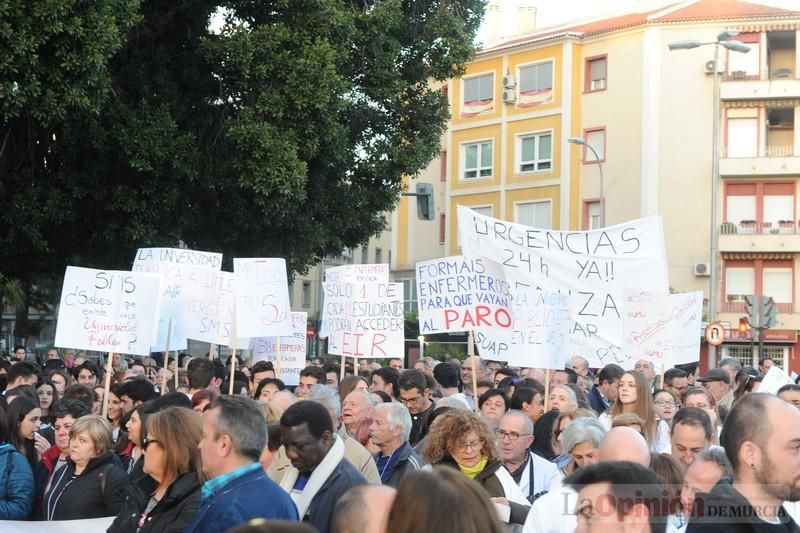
534 475
676 383
415 395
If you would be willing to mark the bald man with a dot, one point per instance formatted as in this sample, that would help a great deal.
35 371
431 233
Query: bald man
363 509
555 511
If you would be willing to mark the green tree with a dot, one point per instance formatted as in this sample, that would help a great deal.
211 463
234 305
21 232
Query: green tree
285 134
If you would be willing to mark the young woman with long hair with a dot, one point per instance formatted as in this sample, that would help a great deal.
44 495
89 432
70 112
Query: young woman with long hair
634 397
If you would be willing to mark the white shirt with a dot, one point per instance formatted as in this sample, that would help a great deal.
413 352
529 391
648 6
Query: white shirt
661 443
545 475
554 512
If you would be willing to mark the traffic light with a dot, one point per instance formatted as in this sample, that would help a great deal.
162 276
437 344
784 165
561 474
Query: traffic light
424 194
768 312
743 326
751 308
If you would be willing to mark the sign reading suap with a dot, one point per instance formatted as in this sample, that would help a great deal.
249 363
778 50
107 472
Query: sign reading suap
262 298
461 294
365 319
663 328
108 310
594 267
293 350
179 268
540 334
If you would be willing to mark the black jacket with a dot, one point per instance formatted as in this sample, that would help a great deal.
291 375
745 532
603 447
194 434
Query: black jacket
725 509
596 401
343 478
172 514
97 492
407 461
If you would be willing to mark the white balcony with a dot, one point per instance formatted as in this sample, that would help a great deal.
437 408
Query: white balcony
752 237
749 89
764 161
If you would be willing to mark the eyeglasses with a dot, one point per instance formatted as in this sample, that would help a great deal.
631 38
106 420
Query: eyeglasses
147 442
512 435
474 445
406 401
665 403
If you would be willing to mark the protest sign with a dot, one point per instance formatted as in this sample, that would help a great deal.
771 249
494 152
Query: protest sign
365 319
178 267
367 273
595 267
292 347
208 308
540 334
91 525
462 294
774 379
108 310
262 298
662 328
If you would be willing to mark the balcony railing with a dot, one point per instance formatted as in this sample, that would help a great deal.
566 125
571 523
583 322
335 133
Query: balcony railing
745 227
762 151
737 306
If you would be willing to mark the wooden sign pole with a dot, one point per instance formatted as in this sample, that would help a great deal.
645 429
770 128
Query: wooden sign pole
278 357
211 351
107 387
166 359
547 391
471 351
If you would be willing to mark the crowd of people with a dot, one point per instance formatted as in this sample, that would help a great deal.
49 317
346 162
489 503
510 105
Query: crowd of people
385 449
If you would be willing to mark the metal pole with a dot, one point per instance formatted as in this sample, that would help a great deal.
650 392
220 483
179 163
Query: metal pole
602 185
712 293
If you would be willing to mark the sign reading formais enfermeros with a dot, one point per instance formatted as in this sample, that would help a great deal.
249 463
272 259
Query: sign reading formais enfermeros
365 319
181 269
108 310
292 349
462 293
594 267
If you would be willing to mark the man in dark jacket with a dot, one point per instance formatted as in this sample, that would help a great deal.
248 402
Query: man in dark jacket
391 425
604 393
234 435
760 436
320 474
415 395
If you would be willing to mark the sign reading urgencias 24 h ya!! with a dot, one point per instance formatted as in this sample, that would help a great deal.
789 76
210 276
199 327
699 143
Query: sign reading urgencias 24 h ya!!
595 267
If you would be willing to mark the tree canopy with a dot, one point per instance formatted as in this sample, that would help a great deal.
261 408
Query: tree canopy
128 123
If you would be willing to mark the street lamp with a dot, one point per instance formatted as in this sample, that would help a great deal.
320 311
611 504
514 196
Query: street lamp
581 142
724 40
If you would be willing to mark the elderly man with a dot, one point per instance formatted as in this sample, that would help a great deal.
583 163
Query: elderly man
363 509
691 433
238 489
356 410
717 382
731 366
708 468
646 367
760 436
534 475
391 426
353 450
580 365
320 475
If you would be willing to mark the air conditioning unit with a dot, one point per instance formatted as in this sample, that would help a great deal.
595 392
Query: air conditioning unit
708 68
510 96
347 253
510 81
702 269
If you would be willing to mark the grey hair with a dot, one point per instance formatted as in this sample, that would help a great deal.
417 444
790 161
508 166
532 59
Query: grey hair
326 396
292 399
526 420
583 360
455 403
364 396
716 454
241 418
398 416
582 430
573 399
731 362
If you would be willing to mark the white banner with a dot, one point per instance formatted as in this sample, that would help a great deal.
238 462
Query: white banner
293 350
663 328
262 297
595 267
365 319
92 525
208 308
367 273
774 379
461 294
540 336
178 268
108 310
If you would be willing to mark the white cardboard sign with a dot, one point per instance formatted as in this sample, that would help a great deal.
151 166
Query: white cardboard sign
262 297
293 350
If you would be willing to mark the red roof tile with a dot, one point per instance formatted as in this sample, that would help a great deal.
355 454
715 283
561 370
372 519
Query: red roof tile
723 9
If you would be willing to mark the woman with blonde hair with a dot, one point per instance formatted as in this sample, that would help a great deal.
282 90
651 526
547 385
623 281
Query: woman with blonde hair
634 397
462 440
169 498
423 497
90 485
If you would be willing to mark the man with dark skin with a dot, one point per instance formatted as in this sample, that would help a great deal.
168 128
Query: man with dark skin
320 474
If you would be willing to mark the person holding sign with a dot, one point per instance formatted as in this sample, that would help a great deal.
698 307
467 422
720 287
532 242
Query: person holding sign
634 397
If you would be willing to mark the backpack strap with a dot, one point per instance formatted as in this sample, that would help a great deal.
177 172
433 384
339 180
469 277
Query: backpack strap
104 473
